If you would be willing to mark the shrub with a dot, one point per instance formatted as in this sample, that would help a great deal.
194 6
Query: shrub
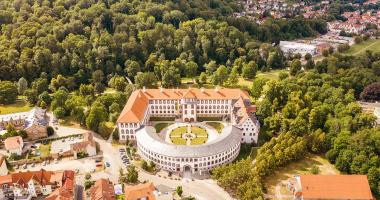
50 130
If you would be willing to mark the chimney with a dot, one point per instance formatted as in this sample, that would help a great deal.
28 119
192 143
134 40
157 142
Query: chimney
177 89
161 89
216 89
202 89
144 89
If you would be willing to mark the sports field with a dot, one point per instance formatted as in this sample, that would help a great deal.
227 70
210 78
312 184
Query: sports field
357 49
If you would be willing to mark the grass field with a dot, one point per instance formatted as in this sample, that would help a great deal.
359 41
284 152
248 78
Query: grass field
178 141
199 131
271 75
19 106
276 182
198 141
45 149
178 131
357 49
216 125
160 126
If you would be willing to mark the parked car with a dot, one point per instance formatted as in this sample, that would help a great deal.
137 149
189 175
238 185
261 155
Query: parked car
34 164
25 166
56 161
108 164
121 150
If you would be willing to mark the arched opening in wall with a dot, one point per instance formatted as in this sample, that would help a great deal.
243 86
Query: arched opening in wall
187 171
186 119
191 119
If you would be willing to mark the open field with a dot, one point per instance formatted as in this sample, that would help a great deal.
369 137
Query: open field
198 141
178 141
276 182
45 149
198 131
371 44
271 75
178 131
20 106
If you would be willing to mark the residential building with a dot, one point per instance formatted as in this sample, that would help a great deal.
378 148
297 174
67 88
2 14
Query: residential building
33 183
102 190
34 122
66 192
14 145
87 146
140 192
3 165
337 187
186 105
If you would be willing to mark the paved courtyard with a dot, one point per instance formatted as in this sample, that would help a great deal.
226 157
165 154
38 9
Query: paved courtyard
63 145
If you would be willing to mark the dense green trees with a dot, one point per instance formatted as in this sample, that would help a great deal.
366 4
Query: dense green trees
314 111
8 92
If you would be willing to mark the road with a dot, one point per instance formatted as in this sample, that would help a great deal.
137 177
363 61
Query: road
201 189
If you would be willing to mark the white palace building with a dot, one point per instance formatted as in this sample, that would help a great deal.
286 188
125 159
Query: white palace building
232 106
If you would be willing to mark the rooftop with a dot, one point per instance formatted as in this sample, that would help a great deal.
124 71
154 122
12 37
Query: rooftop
13 142
140 191
136 106
335 187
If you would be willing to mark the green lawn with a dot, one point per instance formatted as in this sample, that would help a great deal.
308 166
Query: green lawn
160 126
178 131
199 131
216 125
178 141
271 75
198 141
371 44
161 119
19 106
45 149
201 119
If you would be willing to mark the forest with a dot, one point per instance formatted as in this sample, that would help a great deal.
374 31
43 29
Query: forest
63 54
314 111
74 38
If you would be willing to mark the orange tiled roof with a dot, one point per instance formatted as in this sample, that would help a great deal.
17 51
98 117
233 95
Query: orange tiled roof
137 104
139 191
66 192
13 142
335 187
61 194
43 177
102 190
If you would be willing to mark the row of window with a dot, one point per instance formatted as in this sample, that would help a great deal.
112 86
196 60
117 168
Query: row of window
166 101
128 125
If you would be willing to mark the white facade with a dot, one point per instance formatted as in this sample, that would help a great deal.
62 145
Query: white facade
250 131
188 108
181 158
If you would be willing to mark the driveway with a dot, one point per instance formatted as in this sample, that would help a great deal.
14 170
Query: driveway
200 189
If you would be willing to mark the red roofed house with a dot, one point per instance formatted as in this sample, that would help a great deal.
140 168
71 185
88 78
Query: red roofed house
65 192
138 192
331 187
14 145
102 190
33 183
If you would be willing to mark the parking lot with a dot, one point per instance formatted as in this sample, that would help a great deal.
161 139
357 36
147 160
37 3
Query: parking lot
124 156
63 145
